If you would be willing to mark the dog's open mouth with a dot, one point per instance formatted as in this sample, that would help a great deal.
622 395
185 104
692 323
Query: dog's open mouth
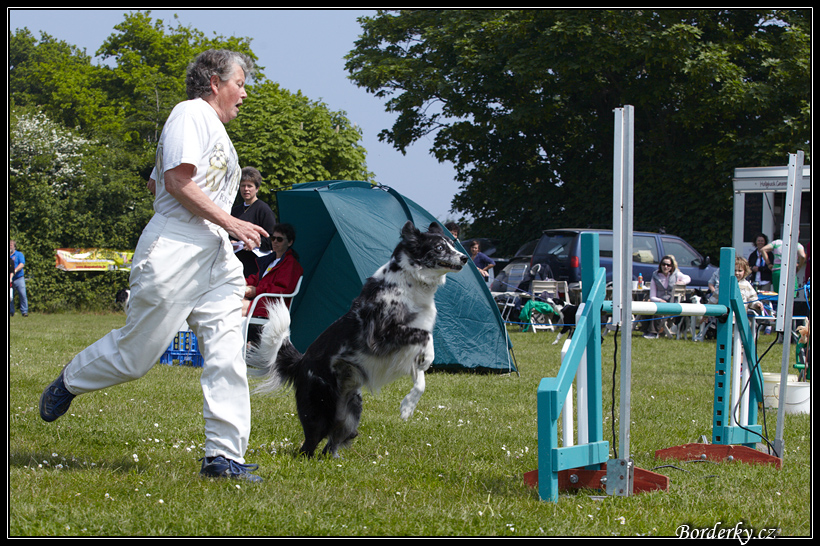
449 265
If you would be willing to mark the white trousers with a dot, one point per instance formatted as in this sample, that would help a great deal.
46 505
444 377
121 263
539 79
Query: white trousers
181 272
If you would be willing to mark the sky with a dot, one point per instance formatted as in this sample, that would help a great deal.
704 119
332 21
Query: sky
302 50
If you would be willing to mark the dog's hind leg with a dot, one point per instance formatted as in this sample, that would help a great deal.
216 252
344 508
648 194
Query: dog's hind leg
701 331
310 444
316 426
346 429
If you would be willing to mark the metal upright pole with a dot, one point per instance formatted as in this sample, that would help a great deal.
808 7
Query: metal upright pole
621 483
785 298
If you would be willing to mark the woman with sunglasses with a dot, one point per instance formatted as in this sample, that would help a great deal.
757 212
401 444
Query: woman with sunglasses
279 271
662 288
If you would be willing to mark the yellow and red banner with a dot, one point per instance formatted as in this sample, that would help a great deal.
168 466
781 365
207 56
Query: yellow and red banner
93 259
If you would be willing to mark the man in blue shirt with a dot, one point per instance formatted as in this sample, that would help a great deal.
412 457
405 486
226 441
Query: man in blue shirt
17 280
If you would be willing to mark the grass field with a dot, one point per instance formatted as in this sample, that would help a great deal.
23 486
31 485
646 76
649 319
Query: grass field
123 461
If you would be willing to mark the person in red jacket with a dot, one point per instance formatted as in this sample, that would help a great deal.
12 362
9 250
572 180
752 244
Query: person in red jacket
279 271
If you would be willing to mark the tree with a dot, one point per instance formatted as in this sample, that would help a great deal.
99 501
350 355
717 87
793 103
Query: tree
83 139
66 190
521 102
60 79
148 76
292 139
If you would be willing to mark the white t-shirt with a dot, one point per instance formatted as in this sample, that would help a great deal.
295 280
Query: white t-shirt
193 134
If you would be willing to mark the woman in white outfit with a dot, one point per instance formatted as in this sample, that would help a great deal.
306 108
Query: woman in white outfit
184 269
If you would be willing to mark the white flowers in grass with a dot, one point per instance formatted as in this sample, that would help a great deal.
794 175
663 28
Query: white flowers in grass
517 454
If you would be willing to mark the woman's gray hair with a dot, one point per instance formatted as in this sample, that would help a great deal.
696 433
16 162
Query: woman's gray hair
214 62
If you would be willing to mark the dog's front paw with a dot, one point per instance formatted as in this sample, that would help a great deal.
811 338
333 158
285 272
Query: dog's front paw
408 407
424 358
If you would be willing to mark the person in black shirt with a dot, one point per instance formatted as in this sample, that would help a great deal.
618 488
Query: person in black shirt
253 210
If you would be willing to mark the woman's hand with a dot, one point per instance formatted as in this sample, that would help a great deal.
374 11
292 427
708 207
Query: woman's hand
250 292
179 183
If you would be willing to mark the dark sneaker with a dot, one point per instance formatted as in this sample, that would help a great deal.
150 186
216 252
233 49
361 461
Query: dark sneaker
220 467
55 400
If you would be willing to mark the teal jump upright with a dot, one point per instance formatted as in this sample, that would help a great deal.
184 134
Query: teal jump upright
552 391
725 430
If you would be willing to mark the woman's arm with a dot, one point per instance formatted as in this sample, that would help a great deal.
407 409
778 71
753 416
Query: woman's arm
179 183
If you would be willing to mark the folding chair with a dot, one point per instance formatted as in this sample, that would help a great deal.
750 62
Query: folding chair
538 320
552 288
260 321
668 326
505 302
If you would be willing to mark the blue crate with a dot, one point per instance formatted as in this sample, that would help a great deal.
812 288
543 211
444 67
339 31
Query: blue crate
183 351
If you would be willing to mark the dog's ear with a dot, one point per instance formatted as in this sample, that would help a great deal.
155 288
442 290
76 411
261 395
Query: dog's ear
409 231
435 228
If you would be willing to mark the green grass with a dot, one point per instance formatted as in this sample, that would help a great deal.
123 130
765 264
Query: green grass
123 461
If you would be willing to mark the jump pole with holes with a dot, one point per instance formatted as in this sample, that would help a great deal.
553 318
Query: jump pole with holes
588 465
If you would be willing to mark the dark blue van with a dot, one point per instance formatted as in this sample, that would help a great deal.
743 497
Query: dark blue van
561 250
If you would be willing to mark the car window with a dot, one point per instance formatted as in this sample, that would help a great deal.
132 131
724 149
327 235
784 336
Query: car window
605 245
684 254
555 246
644 249
527 248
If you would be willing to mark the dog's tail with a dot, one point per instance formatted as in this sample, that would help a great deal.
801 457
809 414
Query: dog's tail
274 359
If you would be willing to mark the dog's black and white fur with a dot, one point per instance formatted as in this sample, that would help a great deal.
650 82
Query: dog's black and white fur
687 324
123 298
386 334
566 317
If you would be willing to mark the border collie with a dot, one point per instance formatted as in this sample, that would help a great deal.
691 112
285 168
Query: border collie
687 324
566 317
386 334
123 299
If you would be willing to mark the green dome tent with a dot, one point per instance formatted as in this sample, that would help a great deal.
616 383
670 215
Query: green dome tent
345 231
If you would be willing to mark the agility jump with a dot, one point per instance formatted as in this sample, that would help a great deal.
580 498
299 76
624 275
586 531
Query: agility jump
583 465
734 418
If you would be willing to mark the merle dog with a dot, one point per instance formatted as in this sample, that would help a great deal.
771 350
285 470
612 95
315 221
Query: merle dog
386 334
566 317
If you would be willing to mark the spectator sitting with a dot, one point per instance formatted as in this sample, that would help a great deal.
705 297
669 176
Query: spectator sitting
662 288
279 271
454 229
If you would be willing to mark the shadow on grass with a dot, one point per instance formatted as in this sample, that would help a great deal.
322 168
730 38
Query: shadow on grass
28 459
